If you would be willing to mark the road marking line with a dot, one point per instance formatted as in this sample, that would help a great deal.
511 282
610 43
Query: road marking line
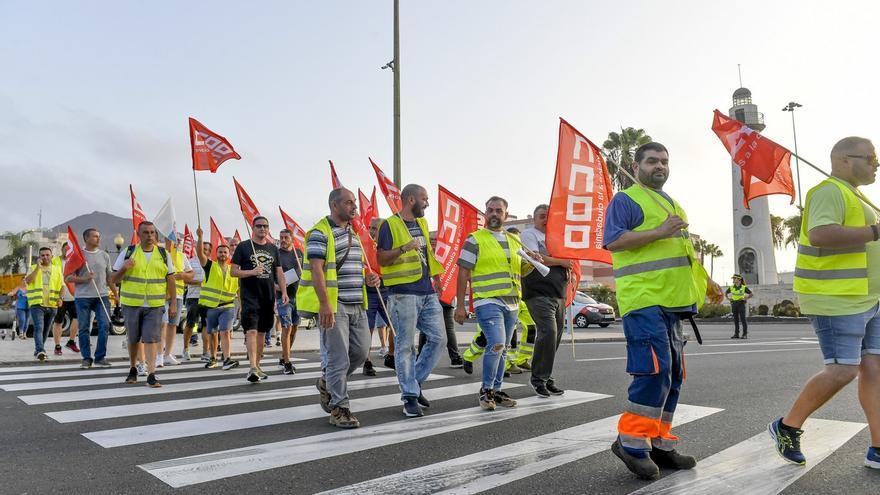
489 469
212 466
695 354
116 370
49 367
232 422
753 466
140 389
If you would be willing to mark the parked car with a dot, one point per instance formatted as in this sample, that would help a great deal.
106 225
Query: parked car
591 312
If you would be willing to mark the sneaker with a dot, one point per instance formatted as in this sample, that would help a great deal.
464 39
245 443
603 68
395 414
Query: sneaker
22 336
160 361
788 442
142 369
553 389
389 361
212 364
321 385
152 381
514 369
423 401
57 350
541 391
205 357
487 401
41 356
289 369
526 366
341 417
383 351
281 362
506 374
229 363
86 364
456 362
643 467
744 337
171 360
103 363
252 376
132 375
368 369
185 356
260 373
872 460
71 345
502 399
735 336
277 342
670 459
411 407
468 367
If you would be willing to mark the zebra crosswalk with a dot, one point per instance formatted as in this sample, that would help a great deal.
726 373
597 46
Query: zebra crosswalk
195 404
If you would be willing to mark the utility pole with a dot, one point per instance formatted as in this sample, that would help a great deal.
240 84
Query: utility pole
797 164
396 69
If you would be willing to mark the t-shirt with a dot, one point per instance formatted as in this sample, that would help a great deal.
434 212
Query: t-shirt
46 273
350 277
21 301
148 255
468 260
99 264
288 262
826 207
622 216
260 289
422 286
194 289
535 284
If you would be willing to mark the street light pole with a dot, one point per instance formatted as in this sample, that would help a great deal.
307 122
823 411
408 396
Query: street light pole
396 69
797 166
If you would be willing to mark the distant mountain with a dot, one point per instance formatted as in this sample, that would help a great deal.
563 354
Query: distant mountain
109 225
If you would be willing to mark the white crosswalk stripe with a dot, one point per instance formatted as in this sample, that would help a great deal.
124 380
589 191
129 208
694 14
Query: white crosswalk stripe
117 369
54 367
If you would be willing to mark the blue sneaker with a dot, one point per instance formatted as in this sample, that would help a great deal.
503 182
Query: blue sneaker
873 458
788 443
411 407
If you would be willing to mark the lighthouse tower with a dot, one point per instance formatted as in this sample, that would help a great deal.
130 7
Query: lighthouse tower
752 239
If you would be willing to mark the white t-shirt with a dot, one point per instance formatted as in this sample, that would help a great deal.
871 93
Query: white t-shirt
194 289
149 254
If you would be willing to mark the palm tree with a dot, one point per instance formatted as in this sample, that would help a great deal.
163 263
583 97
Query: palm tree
701 247
18 249
793 227
714 252
620 149
777 230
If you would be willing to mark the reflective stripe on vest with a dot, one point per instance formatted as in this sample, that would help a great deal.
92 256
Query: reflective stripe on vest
664 272
306 295
220 288
407 268
35 288
494 275
832 271
144 284
737 294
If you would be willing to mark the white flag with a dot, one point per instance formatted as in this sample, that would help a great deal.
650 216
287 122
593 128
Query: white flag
166 221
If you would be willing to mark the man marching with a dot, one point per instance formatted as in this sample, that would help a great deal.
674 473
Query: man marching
659 283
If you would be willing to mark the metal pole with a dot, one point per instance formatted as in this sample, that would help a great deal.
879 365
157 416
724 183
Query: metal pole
797 164
396 69
196 187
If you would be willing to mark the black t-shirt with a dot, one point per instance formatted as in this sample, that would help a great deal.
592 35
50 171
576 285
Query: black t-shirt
288 261
259 289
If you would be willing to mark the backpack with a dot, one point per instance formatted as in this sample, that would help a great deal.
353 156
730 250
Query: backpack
130 250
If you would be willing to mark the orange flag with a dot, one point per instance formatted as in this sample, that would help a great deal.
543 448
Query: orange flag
209 149
299 235
755 154
137 216
581 193
248 208
456 219
334 179
388 187
367 208
217 239
73 257
782 183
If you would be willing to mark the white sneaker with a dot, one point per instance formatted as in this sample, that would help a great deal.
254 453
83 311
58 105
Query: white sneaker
125 343
383 351
185 356
141 369
171 360
160 362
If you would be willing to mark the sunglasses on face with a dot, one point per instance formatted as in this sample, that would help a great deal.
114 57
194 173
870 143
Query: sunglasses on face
261 226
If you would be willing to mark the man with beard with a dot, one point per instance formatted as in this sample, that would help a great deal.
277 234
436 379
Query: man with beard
332 289
659 283
410 271
256 263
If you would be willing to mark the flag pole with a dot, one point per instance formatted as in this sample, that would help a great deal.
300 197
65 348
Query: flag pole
98 292
381 300
826 174
196 187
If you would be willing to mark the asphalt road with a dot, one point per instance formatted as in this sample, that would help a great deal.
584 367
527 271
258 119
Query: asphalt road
272 437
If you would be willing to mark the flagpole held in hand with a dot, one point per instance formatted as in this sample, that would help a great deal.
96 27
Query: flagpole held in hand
196 187
98 292
381 300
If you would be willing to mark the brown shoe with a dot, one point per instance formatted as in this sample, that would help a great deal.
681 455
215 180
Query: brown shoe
132 375
341 417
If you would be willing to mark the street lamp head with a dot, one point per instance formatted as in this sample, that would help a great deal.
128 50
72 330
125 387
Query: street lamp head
118 241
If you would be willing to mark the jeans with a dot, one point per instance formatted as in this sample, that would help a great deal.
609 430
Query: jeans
497 324
411 313
346 346
549 316
22 316
739 315
42 318
845 339
84 308
451 338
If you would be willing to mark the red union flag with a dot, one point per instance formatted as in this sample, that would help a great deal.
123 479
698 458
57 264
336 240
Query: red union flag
388 187
334 179
236 236
73 256
188 243
217 239
581 192
248 208
755 154
209 149
782 183
368 209
299 235
137 216
367 243
456 218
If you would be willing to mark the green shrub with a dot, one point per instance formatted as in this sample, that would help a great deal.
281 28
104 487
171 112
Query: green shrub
604 295
713 311
763 310
786 308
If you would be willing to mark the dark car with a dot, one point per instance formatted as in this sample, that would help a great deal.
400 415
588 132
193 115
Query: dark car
594 313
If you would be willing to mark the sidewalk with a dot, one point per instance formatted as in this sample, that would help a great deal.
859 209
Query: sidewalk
21 351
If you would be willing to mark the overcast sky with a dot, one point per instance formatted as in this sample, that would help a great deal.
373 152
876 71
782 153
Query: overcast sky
96 95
